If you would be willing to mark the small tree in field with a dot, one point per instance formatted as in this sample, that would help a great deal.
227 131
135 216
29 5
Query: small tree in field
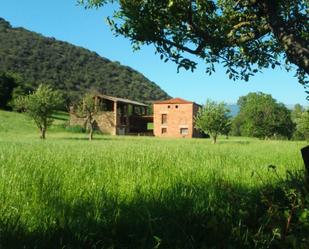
213 119
40 105
87 109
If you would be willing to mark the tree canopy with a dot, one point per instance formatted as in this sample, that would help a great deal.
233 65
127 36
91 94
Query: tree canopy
40 105
245 36
86 109
213 119
262 116
300 117
303 124
7 84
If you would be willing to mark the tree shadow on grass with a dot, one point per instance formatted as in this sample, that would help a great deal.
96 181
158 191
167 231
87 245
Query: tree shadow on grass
107 138
85 138
234 142
183 217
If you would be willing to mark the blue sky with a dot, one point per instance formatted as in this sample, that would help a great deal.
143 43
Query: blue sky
66 21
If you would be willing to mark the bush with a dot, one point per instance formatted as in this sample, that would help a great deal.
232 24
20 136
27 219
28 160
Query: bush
298 136
75 129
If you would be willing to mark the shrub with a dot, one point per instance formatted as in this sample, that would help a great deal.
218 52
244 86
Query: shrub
75 129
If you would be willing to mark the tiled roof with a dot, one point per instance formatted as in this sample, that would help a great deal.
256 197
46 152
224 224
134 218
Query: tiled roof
174 101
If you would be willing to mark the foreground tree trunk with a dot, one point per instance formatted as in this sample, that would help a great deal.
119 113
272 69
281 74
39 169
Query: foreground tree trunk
91 128
214 139
90 133
43 131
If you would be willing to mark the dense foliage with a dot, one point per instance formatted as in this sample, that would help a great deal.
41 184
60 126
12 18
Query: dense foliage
262 116
245 36
302 124
73 70
40 105
7 85
213 119
296 116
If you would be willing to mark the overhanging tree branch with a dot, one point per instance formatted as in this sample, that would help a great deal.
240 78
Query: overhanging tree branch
296 48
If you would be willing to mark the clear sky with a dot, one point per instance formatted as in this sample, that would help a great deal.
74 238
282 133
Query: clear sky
66 21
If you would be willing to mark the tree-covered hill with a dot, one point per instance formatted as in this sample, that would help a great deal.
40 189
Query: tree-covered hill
36 59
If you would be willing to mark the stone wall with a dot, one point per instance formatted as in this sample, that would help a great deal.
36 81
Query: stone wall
105 122
74 120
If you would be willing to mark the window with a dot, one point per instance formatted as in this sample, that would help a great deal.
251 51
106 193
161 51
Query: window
163 130
168 106
176 106
184 131
164 119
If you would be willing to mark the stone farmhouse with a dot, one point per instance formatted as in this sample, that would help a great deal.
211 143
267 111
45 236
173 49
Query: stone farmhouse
118 116
175 118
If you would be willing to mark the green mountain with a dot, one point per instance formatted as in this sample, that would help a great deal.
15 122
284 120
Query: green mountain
37 59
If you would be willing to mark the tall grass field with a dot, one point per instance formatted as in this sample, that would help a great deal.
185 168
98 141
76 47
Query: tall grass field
141 192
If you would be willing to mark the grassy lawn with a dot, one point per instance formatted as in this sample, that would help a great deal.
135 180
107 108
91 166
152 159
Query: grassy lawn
132 192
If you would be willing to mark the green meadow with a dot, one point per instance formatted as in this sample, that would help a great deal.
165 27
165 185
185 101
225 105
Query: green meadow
137 192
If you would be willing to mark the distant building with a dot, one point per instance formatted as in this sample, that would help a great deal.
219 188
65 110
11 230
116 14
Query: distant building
117 116
175 118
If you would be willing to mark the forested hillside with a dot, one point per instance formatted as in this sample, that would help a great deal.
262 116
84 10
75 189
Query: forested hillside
35 59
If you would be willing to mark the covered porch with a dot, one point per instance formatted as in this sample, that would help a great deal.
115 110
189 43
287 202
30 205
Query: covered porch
119 116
